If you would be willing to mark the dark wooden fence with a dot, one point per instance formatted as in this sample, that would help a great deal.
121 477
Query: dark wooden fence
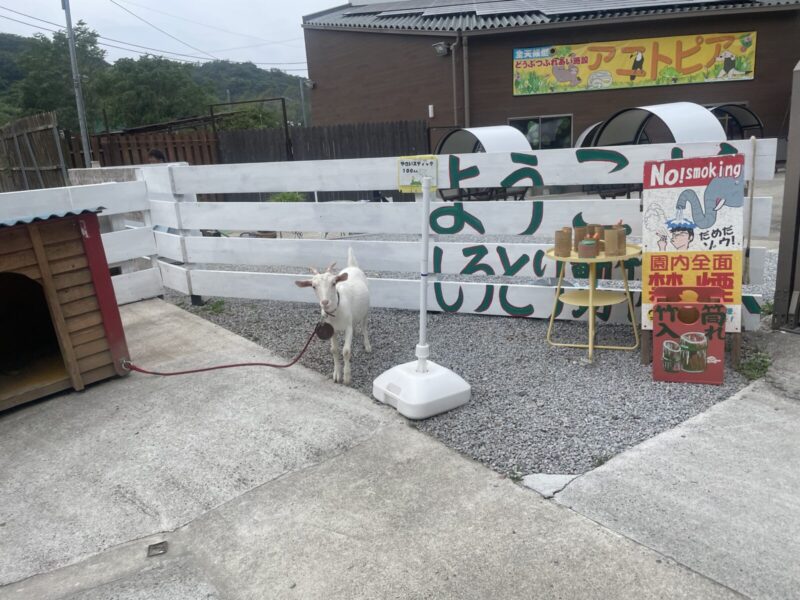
35 154
358 140
31 154
123 149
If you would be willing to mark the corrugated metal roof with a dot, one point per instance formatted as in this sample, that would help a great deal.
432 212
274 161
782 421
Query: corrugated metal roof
459 15
30 219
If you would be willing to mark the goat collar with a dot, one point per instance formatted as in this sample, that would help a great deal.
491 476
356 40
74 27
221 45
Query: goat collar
333 314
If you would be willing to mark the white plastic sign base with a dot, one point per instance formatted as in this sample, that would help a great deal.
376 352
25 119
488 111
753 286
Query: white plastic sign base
418 395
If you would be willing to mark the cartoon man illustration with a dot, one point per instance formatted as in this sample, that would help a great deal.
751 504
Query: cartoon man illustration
728 61
681 234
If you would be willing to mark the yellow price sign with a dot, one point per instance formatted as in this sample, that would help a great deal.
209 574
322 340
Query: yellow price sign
411 170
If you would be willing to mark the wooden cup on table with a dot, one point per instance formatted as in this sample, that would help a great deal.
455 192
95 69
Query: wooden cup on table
579 234
611 237
622 238
563 242
588 249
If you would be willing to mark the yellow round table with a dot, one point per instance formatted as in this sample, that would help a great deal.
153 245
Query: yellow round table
592 297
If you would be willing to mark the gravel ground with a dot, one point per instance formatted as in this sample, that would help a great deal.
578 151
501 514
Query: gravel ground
767 288
534 408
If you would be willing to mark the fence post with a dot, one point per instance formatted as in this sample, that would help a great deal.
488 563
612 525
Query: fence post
60 151
31 153
787 286
21 163
160 186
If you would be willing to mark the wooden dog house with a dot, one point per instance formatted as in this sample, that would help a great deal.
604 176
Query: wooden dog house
59 322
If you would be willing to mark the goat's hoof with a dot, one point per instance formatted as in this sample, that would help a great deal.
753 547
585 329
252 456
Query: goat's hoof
347 381
368 349
336 377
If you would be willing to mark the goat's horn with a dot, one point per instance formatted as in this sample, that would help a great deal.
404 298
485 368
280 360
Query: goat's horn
313 270
330 267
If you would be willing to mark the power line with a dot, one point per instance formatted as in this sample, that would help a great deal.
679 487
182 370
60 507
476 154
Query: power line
29 24
206 25
297 62
115 3
102 37
29 16
98 43
110 39
254 45
148 53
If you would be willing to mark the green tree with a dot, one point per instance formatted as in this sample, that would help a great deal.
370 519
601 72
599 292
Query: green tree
251 118
35 76
151 90
246 81
47 83
11 48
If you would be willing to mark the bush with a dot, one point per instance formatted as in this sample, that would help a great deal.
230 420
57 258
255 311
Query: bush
287 197
251 118
755 364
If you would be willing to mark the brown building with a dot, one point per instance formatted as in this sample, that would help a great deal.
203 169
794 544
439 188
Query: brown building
552 68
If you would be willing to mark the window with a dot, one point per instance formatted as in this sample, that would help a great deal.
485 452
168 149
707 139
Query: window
738 121
546 133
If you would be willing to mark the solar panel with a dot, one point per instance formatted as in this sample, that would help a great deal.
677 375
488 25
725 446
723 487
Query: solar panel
436 6
563 7
451 9
399 5
487 7
430 8
401 11
371 9
508 6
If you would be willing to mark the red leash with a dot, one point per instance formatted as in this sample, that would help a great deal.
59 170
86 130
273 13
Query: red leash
318 331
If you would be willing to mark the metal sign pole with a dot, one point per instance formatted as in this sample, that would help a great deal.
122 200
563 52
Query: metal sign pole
421 388
751 192
423 351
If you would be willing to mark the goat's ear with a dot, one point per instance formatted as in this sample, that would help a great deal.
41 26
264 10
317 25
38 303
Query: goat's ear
341 277
303 283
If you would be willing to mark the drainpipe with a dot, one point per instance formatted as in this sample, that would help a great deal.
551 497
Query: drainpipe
453 47
465 52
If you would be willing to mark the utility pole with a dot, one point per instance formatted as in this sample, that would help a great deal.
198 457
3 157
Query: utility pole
303 99
76 81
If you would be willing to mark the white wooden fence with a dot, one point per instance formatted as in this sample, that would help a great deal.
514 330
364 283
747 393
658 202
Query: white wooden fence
177 257
122 246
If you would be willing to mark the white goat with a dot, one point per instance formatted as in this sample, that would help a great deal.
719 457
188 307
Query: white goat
344 303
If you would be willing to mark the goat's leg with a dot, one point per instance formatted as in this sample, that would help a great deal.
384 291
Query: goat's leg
367 345
337 367
347 351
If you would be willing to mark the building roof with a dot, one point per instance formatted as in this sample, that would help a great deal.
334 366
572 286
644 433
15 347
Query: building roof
21 220
477 15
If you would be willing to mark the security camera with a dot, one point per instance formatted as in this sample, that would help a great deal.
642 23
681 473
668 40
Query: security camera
441 48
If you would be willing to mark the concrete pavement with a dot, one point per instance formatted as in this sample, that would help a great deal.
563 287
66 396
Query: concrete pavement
83 472
719 493
774 188
280 484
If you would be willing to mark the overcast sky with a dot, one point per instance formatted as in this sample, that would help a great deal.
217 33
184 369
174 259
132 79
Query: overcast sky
270 28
